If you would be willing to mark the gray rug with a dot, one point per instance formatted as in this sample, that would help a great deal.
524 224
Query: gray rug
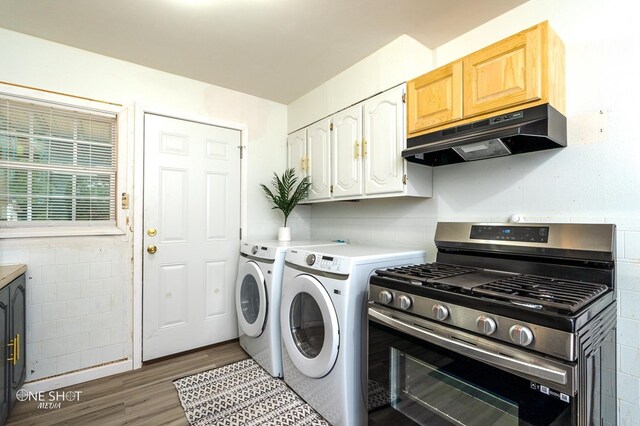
242 393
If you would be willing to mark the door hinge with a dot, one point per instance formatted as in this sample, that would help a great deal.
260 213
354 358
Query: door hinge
405 179
331 126
241 233
242 147
331 189
404 98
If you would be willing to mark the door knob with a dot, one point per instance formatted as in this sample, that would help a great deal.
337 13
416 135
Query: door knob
152 232
152 249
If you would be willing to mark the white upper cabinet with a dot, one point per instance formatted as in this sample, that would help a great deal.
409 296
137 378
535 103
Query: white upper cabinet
297 153
319 160
384 140
346 143
357 153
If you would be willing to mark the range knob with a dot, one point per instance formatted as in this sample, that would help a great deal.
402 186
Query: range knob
254 249
311 259
521 335
385 297
440 312
486 325
404 302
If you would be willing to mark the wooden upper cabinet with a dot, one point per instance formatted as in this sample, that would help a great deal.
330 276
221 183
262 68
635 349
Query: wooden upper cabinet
435 98
521 71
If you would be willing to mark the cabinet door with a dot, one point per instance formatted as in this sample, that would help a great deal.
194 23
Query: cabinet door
296 152
346 144
384 139
435 98
5 396
319 160
17 330
504 74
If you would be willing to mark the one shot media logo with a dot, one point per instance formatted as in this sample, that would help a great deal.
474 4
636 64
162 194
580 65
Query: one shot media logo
51 400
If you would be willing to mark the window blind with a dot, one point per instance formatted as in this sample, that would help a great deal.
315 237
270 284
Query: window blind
56 163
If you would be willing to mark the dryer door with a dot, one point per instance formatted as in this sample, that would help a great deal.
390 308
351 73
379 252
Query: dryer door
309 326
251 299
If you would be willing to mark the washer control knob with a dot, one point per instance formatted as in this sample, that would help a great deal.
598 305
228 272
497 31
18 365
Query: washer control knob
440 312
404 302
254 249
486 325
521 335
385 297
311 259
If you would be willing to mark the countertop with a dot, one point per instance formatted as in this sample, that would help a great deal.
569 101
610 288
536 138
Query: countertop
10 272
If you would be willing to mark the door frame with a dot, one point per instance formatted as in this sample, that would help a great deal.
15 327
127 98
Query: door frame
137 172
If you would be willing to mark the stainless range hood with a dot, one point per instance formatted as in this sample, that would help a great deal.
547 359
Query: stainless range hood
532 129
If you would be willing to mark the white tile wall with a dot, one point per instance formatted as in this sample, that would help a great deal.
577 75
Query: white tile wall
78 301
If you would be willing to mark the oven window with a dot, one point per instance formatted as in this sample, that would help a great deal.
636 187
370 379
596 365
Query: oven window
250 299
412 382
307 326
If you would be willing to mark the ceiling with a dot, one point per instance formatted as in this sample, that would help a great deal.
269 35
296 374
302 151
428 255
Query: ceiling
274 49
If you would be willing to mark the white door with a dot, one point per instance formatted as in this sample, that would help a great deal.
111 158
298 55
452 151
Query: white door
346 144
251 299
192 218
384 140
309 326
319 160
297 153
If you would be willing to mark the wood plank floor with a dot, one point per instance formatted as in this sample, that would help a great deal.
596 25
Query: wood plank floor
142 397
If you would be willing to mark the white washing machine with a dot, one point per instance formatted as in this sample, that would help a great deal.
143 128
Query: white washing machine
323 320
258 291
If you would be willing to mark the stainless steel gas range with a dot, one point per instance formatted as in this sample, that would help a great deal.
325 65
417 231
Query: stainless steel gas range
514 324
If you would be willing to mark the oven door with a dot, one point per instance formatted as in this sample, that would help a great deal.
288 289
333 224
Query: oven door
422 372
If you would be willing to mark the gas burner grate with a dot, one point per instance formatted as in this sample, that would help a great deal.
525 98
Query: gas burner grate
542 292
419 274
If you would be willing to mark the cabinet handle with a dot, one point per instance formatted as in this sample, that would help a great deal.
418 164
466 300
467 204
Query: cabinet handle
302 164
356 150
364 148
17 348
13 355
307 166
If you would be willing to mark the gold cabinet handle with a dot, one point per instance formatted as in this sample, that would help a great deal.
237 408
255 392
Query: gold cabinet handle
302 164
152 249
356 150
17 348
152 232
308 159
13 356
364 148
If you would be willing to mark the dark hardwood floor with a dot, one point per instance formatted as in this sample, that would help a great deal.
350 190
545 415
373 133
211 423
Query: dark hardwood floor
142 397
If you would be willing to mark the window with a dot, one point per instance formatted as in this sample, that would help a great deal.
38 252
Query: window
57 164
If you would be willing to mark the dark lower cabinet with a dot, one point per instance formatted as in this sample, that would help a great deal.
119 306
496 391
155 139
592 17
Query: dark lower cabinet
12 331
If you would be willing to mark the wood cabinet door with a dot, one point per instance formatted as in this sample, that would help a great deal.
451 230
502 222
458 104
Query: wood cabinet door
435 98
384 140
319 160
504 74
297 152
346 145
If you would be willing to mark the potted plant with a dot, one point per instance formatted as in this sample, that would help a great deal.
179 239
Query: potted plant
286 195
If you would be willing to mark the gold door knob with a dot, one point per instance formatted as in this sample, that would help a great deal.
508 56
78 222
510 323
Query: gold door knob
152 249
152 232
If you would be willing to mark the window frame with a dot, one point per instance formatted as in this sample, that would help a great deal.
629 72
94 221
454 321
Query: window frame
26 229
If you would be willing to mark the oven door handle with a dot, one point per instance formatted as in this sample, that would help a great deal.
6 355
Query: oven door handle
498 360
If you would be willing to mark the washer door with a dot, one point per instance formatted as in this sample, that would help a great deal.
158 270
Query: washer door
309 326
251 299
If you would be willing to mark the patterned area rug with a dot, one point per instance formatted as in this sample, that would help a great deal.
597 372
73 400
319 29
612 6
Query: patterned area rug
242 393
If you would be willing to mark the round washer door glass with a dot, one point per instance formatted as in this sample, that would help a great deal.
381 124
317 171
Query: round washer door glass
251 299
309 326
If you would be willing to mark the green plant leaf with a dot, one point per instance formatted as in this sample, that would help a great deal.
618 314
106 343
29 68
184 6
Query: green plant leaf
286 195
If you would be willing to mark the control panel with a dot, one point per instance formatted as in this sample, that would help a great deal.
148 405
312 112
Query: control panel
527 234
318 261
259 251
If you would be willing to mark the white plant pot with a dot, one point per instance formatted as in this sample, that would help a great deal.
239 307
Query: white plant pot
284 233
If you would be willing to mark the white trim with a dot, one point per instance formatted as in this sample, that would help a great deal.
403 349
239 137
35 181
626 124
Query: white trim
59 231
78 377
138 208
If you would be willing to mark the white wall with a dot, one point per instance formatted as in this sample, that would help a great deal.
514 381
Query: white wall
79 289
595 179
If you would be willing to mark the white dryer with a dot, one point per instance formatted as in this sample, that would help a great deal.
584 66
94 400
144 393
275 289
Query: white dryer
323 320
258 290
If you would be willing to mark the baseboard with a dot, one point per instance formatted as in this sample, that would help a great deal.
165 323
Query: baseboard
77 377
